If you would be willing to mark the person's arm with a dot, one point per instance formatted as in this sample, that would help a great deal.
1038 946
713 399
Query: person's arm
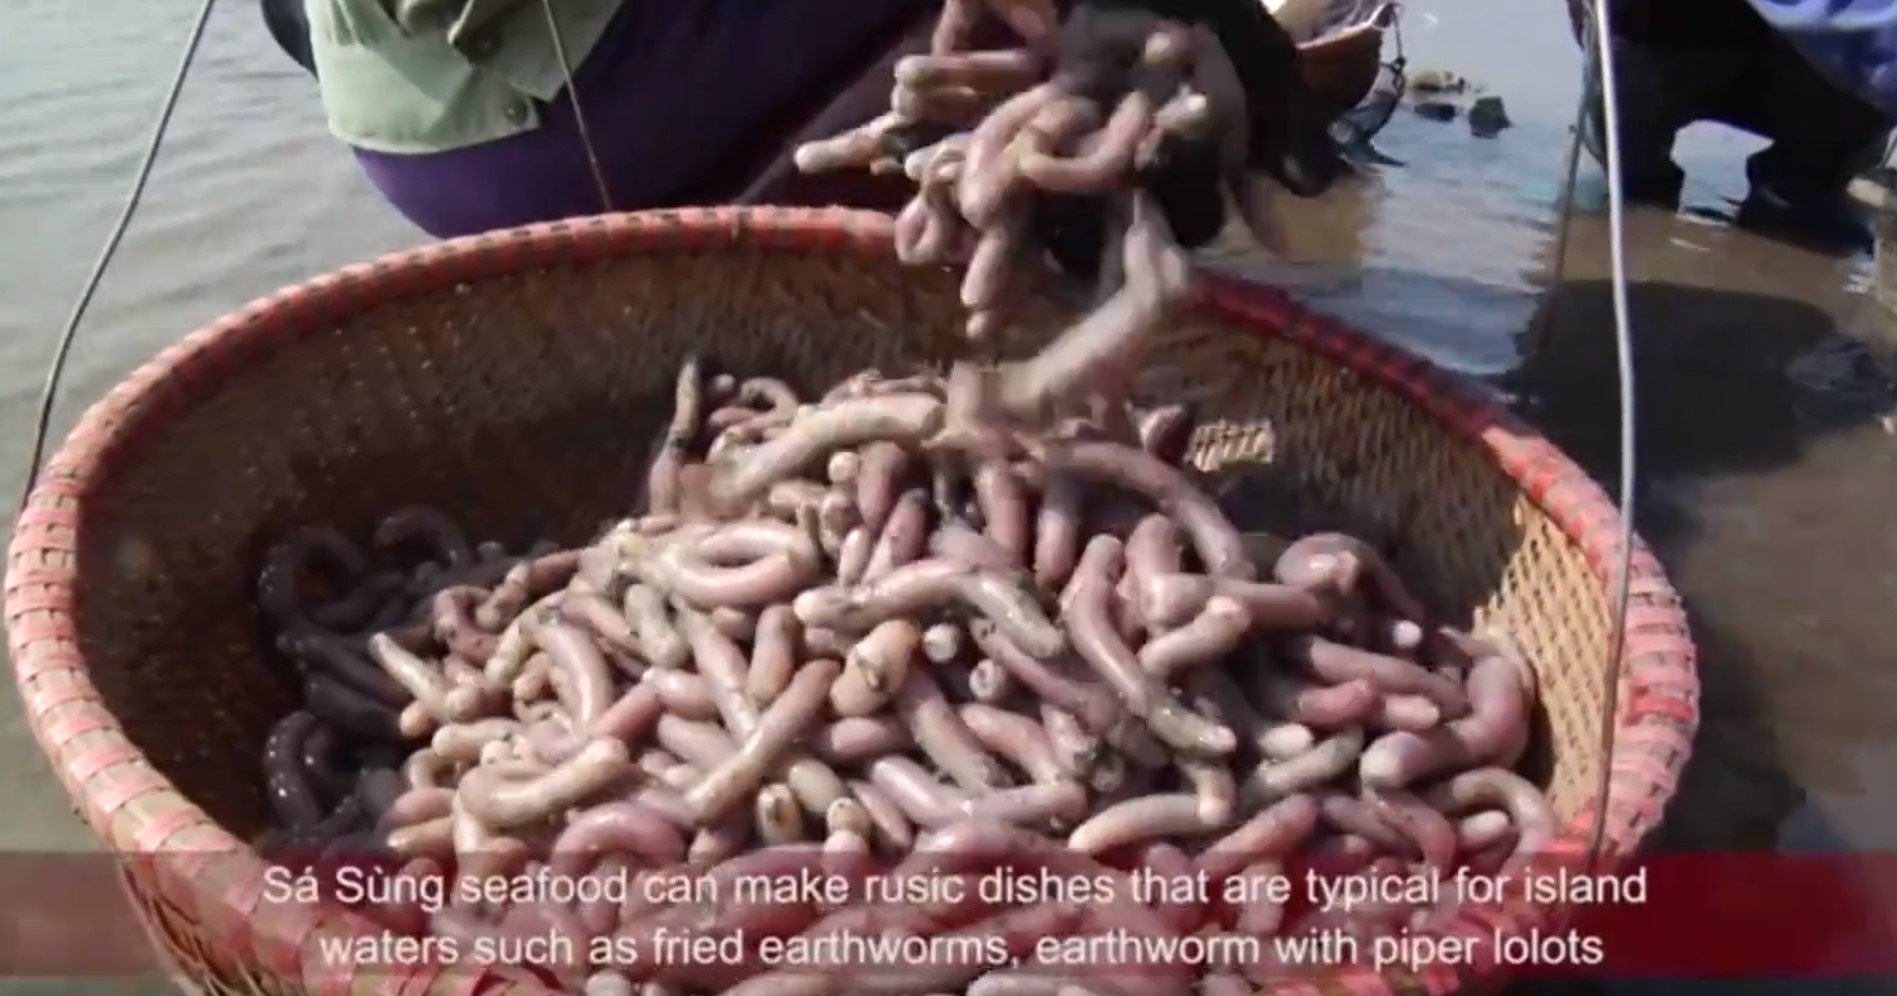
1286 139
1852 41
1265 126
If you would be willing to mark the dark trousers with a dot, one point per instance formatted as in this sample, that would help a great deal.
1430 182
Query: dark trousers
1820 134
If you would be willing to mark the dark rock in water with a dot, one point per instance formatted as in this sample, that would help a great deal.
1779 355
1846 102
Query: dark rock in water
1437 110
1487 116
1437 81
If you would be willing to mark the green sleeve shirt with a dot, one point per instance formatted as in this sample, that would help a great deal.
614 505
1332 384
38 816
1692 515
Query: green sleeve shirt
420 76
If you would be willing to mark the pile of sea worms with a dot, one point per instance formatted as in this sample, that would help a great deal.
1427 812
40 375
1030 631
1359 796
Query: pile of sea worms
834 625
1087 119
933 624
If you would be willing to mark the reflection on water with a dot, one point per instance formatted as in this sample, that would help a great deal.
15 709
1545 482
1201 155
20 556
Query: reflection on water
1765 372
1767 385
1440 259
1767 395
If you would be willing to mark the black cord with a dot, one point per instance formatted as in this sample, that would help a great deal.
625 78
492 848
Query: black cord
579 113
55 372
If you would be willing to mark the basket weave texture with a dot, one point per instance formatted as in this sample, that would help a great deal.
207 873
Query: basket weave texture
514 379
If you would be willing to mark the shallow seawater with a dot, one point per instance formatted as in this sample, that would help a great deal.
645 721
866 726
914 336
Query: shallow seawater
1765 385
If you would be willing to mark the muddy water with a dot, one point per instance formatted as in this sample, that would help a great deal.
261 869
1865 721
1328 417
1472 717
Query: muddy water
1767 451
1766 407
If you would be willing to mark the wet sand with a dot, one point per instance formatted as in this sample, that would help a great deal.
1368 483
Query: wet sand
1765 372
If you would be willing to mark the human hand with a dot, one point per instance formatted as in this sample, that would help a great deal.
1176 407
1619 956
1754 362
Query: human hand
1241 120
1034 20
1286 138
1249 67
1024 148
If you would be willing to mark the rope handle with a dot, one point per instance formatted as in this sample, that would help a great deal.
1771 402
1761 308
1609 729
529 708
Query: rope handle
1598 32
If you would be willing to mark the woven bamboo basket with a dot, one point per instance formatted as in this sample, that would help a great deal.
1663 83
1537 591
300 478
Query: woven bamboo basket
513 379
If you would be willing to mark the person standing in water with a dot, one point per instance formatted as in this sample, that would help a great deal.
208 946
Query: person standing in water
1800 80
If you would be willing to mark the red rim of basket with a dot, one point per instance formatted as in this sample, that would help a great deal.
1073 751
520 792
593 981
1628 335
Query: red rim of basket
1659 684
